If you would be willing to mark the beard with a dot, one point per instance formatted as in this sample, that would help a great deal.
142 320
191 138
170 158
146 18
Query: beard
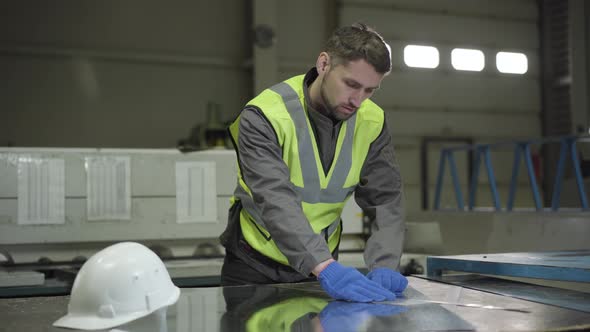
331 109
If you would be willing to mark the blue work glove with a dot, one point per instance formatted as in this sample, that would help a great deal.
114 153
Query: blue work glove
389 279
347 283
340 316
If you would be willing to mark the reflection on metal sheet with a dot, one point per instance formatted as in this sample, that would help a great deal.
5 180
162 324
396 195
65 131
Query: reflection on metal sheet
197 310
564 298
299 304
469 305
303 307
155 322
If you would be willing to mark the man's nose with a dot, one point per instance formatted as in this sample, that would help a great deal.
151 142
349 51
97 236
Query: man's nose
355 99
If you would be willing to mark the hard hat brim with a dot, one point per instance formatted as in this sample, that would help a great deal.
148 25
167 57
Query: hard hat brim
81 322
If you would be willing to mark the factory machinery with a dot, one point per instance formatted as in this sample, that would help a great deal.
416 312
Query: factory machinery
60 206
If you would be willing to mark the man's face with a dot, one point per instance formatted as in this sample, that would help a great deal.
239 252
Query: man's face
345 86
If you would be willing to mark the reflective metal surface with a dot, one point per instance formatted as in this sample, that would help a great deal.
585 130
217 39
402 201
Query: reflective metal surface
564 298
305 307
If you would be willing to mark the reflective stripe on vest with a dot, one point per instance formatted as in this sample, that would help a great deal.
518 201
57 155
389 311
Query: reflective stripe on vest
311 191
248 204
322 196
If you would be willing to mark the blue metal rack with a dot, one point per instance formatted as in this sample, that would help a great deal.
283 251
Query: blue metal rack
522 149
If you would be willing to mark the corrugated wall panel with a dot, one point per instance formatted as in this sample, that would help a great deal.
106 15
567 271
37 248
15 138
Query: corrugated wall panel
187 27
473 92
463 30
133 105
110 74
435 123
507 9
301 43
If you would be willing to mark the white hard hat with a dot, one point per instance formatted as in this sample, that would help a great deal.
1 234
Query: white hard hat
118 284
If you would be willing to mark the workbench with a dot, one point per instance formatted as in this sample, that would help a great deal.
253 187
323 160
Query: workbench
426 305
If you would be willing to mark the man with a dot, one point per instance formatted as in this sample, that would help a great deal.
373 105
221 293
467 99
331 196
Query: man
304 146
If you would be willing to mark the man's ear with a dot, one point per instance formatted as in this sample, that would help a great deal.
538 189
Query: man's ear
323 62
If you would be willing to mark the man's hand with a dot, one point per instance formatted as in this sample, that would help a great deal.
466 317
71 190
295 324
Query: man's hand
389 279
347 283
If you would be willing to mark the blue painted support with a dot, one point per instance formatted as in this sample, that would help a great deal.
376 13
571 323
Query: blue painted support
439 178
568 143
526 150
474 179
485 150
456 184
444 155
532 177
492 178
578 173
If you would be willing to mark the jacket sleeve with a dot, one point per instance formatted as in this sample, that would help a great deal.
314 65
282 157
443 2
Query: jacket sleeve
267 176
380 196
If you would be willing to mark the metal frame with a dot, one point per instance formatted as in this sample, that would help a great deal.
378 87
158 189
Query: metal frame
483 151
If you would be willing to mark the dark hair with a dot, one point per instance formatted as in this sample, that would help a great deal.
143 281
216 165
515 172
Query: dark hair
356 42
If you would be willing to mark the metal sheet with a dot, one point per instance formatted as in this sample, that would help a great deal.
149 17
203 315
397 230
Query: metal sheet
300 306
549 295
557 265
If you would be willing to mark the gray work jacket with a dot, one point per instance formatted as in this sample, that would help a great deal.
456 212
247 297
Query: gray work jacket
379 195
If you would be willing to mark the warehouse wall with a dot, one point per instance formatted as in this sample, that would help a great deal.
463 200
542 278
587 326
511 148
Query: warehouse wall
140 74
118 74
485 106
579 35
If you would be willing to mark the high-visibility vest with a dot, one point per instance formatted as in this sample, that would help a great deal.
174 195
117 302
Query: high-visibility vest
323 195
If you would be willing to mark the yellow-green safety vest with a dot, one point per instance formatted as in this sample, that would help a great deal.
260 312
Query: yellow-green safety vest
323 196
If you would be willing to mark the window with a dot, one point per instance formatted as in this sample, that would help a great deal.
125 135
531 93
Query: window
421 56
511 63
467 59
